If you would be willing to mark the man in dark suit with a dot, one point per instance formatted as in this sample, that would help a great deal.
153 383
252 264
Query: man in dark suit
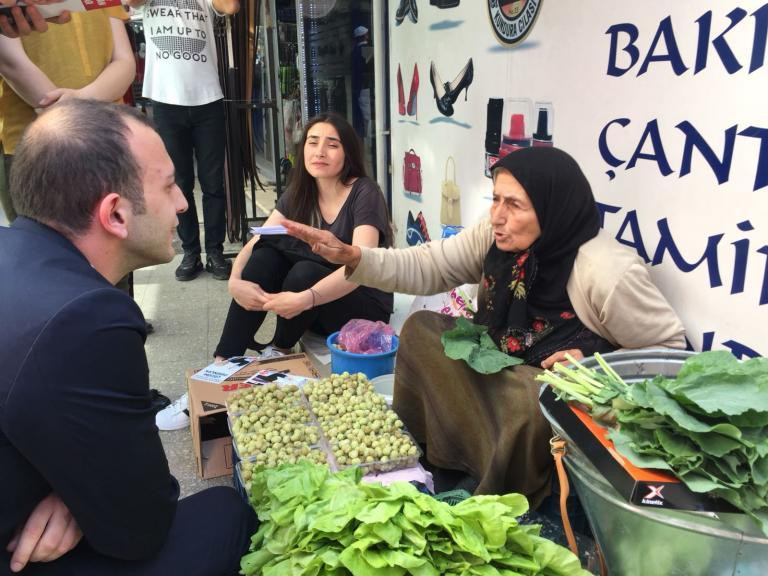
86 487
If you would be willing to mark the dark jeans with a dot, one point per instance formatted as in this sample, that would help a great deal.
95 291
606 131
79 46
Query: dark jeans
276 271
198 130
210 534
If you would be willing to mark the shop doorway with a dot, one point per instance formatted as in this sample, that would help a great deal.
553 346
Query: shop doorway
338 55
314 56
268 137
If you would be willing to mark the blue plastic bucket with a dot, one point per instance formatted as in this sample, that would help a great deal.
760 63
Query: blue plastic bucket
371 365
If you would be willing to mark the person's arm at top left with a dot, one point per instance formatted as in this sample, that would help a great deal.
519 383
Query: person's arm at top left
21 74
27 20
113 81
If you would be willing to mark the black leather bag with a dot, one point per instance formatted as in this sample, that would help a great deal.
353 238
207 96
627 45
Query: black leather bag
444 3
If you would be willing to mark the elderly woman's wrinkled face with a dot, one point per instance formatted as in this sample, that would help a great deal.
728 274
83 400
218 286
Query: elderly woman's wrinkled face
514 220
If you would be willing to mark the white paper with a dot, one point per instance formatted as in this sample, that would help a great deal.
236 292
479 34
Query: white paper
268 230
282 378
217 373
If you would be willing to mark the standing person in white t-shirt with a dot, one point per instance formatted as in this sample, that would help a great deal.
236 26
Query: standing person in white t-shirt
181 78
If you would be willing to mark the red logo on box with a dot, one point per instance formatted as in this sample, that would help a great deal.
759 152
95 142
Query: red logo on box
99 4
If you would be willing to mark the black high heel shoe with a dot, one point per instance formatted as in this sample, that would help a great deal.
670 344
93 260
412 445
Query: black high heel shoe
402 11
446 94
414 11
462 81
440 90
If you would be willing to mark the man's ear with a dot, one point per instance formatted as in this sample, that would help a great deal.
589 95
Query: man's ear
112 213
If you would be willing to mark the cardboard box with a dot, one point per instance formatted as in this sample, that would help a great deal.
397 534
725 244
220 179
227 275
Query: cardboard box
640 486
208 411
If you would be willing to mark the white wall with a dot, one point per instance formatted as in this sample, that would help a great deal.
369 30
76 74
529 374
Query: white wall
565 59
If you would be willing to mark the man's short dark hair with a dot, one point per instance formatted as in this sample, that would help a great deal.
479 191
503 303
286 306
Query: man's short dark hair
70 158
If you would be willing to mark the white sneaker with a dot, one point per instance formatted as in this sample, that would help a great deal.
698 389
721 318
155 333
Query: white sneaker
175 416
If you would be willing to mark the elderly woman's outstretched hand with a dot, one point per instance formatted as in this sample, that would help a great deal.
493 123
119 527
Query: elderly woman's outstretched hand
325 244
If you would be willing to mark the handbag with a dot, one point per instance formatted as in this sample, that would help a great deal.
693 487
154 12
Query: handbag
412 172
450 204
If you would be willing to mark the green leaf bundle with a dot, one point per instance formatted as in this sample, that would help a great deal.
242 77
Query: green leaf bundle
470 342
708 425
317 523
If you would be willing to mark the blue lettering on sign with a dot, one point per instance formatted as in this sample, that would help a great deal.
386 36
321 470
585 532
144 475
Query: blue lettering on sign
664 47
650 147
737 349
672 55
693 139
630 234
656 154
667 245
636 239
722 48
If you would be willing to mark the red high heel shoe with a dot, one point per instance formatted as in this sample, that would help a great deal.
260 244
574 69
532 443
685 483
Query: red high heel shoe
414 90
400 93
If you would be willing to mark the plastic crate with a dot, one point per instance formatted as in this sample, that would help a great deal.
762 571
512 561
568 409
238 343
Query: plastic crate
237 482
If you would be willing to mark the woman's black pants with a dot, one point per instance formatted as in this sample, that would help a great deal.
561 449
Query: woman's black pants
278 271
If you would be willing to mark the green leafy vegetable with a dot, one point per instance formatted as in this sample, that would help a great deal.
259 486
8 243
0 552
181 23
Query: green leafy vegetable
708 425
470 342
317 523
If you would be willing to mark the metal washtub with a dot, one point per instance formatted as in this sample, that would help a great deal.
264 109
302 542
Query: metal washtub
644 541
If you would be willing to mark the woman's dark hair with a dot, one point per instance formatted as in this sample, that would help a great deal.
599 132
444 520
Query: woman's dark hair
301 193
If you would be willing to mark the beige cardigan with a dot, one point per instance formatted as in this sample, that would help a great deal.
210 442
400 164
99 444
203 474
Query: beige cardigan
610 288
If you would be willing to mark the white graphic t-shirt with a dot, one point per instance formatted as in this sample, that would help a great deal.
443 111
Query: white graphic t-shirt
181 66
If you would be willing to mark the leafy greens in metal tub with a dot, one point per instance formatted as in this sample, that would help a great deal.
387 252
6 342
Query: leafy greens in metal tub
708 425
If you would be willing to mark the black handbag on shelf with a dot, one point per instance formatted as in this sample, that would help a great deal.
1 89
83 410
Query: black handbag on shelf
444 3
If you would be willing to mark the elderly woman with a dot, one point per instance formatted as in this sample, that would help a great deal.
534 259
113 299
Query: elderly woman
549 284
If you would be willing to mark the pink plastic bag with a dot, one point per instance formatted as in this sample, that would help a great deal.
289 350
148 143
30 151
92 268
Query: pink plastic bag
365 337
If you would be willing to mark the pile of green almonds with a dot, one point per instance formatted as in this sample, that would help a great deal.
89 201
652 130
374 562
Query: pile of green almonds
271 425
359 426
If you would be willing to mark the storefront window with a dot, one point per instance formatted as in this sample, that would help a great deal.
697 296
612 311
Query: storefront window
336 48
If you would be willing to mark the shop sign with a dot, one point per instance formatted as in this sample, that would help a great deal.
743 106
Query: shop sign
511 20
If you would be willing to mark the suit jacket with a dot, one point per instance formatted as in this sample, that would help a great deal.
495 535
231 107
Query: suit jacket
75 407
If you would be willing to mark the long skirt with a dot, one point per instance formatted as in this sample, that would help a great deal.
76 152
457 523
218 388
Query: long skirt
489 426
